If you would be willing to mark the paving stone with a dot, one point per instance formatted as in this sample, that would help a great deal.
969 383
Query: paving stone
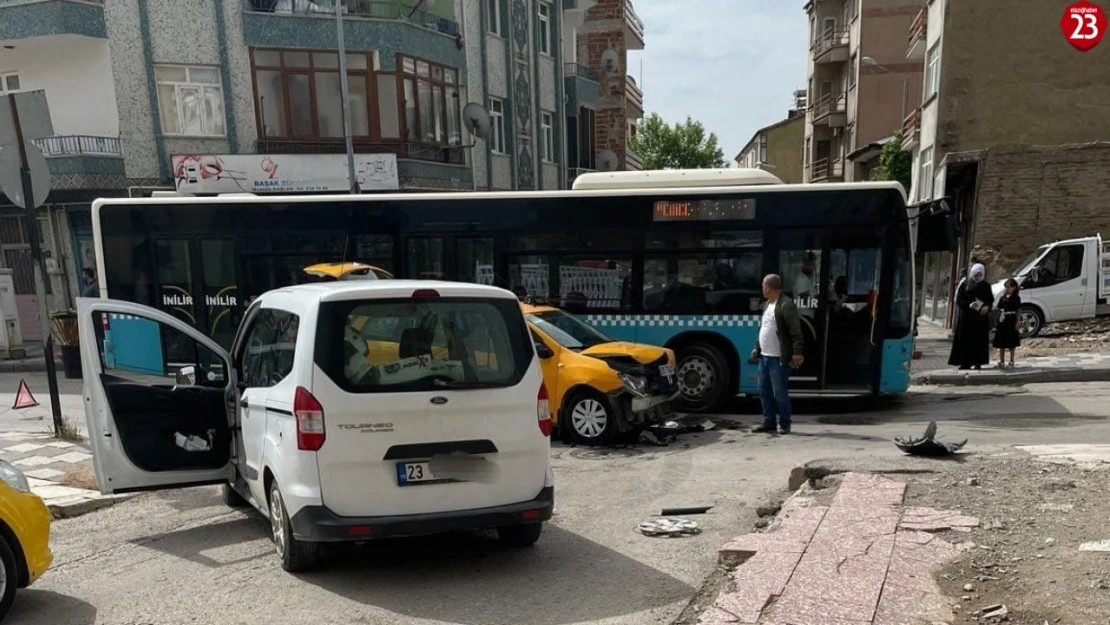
73 457
23 448
33 461
45 474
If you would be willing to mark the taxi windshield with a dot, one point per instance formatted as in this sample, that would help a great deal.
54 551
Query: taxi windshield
567 330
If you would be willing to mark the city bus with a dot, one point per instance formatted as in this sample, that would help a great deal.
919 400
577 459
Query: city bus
672 258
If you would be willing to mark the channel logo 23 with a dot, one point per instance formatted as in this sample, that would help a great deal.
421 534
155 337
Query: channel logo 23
1084 25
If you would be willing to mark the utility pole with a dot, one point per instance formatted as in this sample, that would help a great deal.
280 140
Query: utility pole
32 233
344 89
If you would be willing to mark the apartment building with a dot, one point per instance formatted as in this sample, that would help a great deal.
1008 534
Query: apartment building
245 96
1011 127
859 84
603 104
778 147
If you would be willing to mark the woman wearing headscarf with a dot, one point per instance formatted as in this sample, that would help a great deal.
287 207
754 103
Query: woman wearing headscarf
971 341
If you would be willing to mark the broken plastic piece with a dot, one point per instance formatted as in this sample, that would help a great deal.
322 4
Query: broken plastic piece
668 528
927 445
193 442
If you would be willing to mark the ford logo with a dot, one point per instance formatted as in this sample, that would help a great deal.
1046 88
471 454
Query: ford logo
439 401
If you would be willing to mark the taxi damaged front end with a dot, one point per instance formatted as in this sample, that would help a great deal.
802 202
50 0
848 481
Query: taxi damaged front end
647 389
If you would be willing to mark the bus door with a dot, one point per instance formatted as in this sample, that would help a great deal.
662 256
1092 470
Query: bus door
800 263
195 280
848 300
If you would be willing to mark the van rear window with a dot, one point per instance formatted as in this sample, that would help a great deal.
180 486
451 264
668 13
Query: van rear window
413 345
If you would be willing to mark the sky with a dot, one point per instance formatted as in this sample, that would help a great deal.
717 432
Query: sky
731 64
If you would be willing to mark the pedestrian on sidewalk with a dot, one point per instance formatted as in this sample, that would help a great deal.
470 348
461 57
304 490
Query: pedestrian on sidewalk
1006 335
777 351
91 288
971 341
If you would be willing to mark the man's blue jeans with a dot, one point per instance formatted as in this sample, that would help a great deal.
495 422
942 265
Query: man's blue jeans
774 391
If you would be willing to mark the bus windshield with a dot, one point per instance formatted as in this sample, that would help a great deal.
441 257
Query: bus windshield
567 330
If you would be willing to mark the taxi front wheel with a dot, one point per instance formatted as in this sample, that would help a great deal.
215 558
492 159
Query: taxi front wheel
9 577
589 419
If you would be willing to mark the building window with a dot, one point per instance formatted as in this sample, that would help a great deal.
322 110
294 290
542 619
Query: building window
852 71
298 95
9 83
497 125
762 156
932 71
925 182
493 15
545 28
190 100
431 102
547 136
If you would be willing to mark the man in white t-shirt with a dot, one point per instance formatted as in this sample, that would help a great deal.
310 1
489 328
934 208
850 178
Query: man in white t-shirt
778 350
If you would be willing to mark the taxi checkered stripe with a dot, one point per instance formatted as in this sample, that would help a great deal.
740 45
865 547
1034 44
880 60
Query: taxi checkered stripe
676 321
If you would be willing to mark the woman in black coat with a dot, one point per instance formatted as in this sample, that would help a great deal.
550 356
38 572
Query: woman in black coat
971 341
1006 334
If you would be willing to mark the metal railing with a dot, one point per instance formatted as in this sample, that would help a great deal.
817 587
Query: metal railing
829 40
578 70
449 154
830 103
79 145
633 90
574 172
401 10
825 169
634 20
919 26
632 161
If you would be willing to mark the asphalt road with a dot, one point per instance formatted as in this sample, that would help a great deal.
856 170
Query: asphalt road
180 557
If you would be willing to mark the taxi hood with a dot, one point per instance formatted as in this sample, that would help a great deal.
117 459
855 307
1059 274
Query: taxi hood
631 353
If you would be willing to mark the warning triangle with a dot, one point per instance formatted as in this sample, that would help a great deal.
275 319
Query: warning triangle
23 397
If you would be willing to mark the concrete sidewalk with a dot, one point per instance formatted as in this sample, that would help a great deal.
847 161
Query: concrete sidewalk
1084 367
862 560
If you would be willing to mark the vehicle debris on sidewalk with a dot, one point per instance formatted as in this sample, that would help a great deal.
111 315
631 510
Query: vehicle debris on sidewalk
668 528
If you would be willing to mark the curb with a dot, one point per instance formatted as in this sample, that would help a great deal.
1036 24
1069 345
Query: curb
73 507
1017 378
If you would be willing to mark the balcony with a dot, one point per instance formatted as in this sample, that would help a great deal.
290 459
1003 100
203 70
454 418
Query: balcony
575 172
918 30
24 19
81 161
634 98
581 85
632 161
830 46
826 170
633 28
387 26
831 110
911 130
448 155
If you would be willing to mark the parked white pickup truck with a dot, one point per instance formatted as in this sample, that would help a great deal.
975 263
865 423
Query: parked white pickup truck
1063 281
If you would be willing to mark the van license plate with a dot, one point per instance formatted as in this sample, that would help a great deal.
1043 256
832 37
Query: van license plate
414 473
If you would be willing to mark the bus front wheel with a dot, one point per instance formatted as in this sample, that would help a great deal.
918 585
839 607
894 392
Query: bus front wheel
702 377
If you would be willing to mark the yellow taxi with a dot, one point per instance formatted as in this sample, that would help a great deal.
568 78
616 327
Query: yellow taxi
24 536
599 388
347 271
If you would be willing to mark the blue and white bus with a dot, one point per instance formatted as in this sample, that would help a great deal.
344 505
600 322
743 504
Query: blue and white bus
672 258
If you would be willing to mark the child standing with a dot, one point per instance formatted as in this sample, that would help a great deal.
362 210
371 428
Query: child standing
1006 335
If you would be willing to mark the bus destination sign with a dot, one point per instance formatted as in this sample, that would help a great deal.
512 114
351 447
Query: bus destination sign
704 210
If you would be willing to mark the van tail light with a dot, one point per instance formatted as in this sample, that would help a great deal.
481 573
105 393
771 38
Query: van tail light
310 420
543 410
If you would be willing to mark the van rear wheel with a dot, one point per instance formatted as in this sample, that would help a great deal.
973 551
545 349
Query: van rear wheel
296 555
519 536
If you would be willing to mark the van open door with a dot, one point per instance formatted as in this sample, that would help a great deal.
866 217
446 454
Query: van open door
163 423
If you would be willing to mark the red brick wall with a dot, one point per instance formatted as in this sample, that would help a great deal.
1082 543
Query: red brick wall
1033 195
612 131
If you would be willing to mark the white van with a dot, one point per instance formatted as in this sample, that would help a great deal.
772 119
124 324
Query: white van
1062 281
345 411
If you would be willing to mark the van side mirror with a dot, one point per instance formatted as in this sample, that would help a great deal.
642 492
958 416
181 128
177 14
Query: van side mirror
187 376
543 351
1035 274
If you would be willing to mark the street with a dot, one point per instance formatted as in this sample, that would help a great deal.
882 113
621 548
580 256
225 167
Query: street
182 557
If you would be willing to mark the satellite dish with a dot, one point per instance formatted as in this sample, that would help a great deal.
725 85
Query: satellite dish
610 61
476 119
607 160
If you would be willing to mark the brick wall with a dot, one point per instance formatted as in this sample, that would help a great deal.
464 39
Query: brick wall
604 30
1030 195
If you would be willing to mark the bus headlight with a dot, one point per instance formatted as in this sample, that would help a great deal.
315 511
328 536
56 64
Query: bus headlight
635 384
